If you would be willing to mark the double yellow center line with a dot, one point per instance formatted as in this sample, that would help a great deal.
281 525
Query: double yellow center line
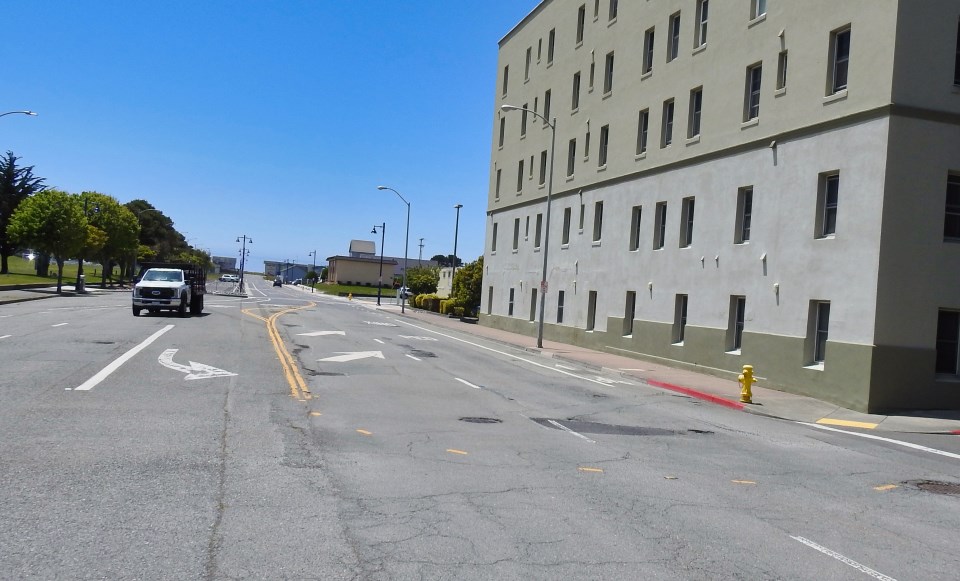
298 387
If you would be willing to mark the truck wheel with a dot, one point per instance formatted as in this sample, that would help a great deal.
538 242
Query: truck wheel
196 305
182 309
136 311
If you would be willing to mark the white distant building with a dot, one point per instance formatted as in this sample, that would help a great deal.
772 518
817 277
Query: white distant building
737 182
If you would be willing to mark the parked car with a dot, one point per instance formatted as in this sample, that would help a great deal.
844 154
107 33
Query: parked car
298 281
404 293
229 278
277 282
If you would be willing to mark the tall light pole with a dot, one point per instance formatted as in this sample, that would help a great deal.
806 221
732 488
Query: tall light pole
406 245
546 238
30 113
77 287
243 255
420 258
456 232
313 281
383 235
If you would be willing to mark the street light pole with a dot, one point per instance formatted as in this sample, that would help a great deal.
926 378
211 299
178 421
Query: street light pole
456 233
406 245
313 281
243 255
77 288
383 235
546 238
30 113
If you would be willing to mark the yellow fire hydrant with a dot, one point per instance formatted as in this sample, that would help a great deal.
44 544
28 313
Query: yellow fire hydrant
746 380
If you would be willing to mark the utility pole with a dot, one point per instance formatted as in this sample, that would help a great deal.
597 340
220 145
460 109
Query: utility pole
420 258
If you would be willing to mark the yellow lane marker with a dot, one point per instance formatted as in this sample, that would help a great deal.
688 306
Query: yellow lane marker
585 469
743 481
316 413
364 432
298 387
452 451
847 423
885 487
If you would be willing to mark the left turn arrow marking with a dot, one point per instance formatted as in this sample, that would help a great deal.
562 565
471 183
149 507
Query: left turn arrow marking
194 370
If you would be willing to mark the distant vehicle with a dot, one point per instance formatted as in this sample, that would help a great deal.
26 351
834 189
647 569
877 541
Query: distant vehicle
298 281
404 293
277 282
169 286
229 278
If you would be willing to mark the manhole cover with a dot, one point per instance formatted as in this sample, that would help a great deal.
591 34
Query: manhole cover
481 420
951 488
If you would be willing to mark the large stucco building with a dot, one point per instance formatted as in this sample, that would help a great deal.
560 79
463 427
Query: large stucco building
737 182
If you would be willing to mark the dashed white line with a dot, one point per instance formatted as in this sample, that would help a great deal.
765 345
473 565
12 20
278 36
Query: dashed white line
567 367
379 341
412 357
842 559
889 440
113 366
566 429
463 381
6 336
59 324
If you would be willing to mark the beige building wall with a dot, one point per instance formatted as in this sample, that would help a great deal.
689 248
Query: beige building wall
891 136
360 272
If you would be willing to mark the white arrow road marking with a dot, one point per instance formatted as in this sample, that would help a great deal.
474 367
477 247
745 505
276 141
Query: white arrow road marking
351 356
194 370
93 381
608 381
418 338
320 333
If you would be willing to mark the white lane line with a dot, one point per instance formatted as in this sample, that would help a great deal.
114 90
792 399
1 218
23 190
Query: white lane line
113 366
504 353
463 381
568 368
379 341
412 357
6 336
566 429
842 559
59 324
882 439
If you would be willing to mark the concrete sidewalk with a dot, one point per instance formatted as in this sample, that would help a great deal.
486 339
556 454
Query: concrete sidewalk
767 402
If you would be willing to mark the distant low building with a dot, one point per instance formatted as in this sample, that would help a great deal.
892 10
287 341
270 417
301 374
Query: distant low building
348 270
445 283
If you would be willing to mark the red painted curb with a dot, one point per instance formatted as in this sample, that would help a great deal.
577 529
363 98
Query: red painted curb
700 395
956 432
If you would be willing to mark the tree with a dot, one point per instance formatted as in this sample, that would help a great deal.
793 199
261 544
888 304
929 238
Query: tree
446 260
16 185
468 284
156 232
119 228
50 221
423 280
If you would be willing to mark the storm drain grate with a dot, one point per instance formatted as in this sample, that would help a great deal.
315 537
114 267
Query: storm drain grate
473 420
949 488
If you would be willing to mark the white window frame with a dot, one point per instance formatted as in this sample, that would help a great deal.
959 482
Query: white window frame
751 99
695 114
838 75
700 34
673 40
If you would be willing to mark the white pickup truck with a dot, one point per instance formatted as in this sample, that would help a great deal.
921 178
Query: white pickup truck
172 289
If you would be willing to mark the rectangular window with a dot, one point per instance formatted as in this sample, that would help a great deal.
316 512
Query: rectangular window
497 191
543 167
586 145
520 176
821 323
523 120
951 220
526 231
635 216
537 232
948 343
531 167
660 225
533 305
738 307
696 104
503 129
643 128
489 300
647 51
782 70
757 8
516 233
686 222
546 105
666 132
526 63
700 34
581 18
744 215
613 9
575 98
560 298
839 61
506 78
493 242
571 157
551 43
751 101
583 213
539 49
593 71
679 319
629 312
596 9
565 237
510 304
608 74
591 310
956 62
597 221
604 143
673 41
828 198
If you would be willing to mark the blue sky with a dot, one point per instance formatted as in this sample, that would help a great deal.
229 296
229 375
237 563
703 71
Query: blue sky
272 119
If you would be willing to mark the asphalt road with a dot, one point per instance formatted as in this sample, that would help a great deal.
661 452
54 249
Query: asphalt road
293 436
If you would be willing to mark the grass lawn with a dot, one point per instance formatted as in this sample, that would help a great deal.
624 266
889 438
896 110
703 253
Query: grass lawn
333 289
23 272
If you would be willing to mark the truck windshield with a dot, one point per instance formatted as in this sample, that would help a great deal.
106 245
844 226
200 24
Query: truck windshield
163 276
